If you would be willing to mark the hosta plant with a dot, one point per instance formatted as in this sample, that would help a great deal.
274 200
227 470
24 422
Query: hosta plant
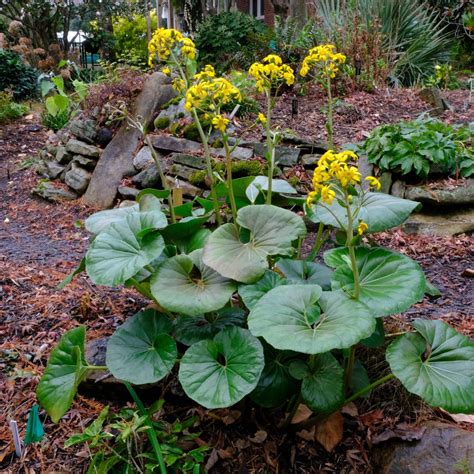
236 311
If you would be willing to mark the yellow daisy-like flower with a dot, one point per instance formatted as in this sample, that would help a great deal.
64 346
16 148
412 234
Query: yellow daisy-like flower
311 197
166 70
373 182
362 227
220 123
261 118
346 155
327 195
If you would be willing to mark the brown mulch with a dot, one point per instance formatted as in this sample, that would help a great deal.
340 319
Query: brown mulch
369 111
40 243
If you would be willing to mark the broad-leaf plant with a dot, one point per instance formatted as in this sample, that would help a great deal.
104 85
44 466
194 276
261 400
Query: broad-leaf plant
236 310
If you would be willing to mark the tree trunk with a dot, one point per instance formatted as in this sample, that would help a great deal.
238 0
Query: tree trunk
299 12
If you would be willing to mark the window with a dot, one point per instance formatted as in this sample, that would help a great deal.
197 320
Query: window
257 8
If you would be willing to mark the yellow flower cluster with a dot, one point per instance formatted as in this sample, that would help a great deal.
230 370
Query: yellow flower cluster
335 172
209 93
325 58
271 73
165 41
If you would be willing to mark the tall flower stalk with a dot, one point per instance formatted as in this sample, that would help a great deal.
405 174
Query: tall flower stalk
322 63
336 179
269 76
205 96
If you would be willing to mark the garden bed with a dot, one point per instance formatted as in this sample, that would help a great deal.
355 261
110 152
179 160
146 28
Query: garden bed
40 243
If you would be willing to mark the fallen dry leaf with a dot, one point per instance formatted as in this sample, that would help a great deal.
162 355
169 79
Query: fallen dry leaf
259 437
302 414
212 460
242 444
329 431
350 409
371 418
461 417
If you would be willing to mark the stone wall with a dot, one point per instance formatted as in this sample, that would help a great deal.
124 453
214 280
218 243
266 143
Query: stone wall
72 155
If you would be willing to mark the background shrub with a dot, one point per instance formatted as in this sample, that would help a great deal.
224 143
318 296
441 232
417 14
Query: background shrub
130 39
220 36
10 110
405 37
16 76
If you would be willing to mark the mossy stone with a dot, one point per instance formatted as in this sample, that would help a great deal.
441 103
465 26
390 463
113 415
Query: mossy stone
191 132
161 123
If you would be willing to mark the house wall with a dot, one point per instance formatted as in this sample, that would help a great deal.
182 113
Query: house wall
244 6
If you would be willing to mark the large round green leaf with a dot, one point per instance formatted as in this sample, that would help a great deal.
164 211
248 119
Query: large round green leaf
304 319
183 284
184 229
194 242
220 372
275 385
250 294
97 222
378 210
272 231
436 363
141 350
65 371
389 282
323 387
191 329
303 272
122 249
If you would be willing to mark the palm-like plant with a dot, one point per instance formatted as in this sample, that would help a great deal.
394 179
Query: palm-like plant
414 38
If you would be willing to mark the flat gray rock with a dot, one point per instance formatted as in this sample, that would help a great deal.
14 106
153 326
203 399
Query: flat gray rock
147 178
76 147
168 143
198 162
441 223
84 161
63 156
284 156
47 190
84 129
143 159
127 192
310 160
53 169
462 194
442 449
238 153
180 171
77 179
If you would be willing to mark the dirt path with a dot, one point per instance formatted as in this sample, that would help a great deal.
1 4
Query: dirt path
40 244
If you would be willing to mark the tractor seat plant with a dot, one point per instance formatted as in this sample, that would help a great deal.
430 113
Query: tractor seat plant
320 313
252 317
